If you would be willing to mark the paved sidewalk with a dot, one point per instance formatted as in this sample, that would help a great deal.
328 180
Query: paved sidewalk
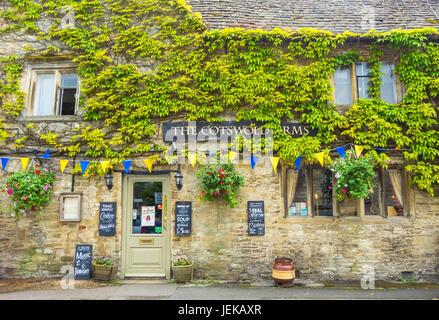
156 290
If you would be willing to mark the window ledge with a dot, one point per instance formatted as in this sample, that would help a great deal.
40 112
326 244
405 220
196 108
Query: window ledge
310 219
381 219
72 118
365 219
398 218
294 217
324 217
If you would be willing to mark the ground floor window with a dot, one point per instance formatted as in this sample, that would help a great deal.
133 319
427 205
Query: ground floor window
297 193
322 191
372 204
309 193
389 198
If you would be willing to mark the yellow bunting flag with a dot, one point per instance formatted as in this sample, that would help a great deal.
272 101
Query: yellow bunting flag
148 163
320 157
63 164
358 150
232 155
24 162
192 158
274 162
105 165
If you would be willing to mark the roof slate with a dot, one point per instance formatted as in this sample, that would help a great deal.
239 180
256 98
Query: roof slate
358 16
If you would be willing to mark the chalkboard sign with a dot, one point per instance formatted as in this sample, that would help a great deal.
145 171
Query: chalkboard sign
256 223
183 212
107 219
83 261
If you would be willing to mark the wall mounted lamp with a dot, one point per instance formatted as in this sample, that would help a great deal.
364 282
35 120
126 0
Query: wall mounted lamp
109 180
179 179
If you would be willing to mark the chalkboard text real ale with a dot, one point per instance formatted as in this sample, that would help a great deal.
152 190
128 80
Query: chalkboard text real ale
256 220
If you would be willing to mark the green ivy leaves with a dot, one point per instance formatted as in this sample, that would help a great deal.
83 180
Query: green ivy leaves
144 60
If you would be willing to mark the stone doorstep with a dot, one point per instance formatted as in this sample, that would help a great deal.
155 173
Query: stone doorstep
141 281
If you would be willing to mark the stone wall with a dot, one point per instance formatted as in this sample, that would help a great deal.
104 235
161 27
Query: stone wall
39 245
324 248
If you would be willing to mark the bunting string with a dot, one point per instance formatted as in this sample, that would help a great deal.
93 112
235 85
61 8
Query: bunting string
193 159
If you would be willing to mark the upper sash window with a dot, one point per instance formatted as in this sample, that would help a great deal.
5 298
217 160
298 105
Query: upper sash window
343 86
54 92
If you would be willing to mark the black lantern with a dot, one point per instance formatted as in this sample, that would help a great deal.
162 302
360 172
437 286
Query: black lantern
109 180
179 180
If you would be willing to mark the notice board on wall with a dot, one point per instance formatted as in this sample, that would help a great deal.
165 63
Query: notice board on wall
83 261
107 219
256 219
183 216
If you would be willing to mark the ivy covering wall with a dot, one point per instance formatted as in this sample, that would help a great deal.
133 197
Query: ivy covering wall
142 60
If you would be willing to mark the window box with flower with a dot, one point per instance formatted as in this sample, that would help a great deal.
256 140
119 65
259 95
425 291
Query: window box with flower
30 190
183 270
103 269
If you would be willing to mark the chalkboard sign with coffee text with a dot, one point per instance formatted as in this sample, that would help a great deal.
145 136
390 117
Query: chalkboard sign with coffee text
83 261
183 215
107 219
256 220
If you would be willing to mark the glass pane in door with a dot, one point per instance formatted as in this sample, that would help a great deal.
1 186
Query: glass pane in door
147 207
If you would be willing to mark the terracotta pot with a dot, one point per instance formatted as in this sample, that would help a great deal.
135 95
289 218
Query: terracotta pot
183 273
283 271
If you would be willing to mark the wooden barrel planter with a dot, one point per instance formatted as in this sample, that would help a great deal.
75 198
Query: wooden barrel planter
283 272
103 273
183 273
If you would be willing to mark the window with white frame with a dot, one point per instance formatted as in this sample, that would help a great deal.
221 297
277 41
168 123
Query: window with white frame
343 86
388 88
54 92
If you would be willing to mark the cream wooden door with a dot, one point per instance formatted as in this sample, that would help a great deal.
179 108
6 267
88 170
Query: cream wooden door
146 235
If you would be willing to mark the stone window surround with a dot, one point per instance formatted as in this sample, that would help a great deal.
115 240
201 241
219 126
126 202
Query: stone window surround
409 200
31 72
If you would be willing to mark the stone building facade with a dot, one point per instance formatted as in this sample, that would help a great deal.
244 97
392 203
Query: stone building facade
343 245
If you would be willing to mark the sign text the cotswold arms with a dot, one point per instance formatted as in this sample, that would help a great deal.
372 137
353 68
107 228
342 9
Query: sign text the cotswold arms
180 130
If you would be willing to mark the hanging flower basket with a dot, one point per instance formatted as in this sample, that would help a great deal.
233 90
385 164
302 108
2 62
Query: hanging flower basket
29 190
353 177
219 180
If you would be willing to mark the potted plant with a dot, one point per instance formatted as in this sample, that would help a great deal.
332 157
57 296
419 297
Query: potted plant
219 180
353 177
103 269
183 270
30 190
